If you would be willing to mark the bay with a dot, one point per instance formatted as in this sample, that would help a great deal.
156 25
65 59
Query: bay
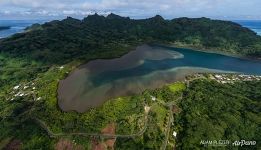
148 67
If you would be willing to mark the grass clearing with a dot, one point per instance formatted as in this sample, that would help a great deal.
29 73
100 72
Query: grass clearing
176 87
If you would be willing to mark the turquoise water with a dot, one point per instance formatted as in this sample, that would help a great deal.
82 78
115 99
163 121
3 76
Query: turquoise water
99 80
191 59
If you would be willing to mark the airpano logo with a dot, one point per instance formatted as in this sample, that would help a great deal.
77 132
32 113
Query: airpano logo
243 143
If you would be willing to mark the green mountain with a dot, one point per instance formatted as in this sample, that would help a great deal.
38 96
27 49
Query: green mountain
68 39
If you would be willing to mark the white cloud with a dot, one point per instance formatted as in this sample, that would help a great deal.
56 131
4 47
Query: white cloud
6 12
135 8
69 12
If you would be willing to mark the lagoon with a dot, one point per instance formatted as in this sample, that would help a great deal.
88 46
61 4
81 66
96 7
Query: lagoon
147 67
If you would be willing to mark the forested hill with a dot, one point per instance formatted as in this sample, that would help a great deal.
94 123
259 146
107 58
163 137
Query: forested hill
68 39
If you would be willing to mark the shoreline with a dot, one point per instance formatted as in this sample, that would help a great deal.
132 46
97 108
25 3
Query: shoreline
104 88
79 64
210 50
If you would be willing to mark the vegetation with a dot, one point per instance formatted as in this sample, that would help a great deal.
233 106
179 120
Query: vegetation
179 86
214 111
58 42
35 26
30 65
154 136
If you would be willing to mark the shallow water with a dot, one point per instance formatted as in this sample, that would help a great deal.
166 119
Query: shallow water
147 67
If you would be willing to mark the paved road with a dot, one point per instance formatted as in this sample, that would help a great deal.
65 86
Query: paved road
53 135
171 118
140 133
170 121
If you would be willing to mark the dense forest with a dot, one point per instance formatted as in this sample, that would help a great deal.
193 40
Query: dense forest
214 111
30 70
68 39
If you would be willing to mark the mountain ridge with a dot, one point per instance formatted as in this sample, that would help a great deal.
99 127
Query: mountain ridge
72 38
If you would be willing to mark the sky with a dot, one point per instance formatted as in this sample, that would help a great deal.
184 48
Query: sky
55 9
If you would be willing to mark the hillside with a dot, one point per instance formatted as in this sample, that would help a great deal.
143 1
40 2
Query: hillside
230 111
68 39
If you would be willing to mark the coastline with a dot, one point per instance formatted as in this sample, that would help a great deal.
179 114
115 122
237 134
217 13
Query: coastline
210 50
115 77
82 63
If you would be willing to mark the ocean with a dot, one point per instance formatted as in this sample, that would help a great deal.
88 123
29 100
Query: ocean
254 25
18 26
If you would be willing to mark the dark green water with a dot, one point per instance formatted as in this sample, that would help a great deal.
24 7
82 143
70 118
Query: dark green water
147 67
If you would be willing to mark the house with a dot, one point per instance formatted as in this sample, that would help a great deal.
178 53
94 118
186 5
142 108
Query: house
61 67
174 134
16 87
153 98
